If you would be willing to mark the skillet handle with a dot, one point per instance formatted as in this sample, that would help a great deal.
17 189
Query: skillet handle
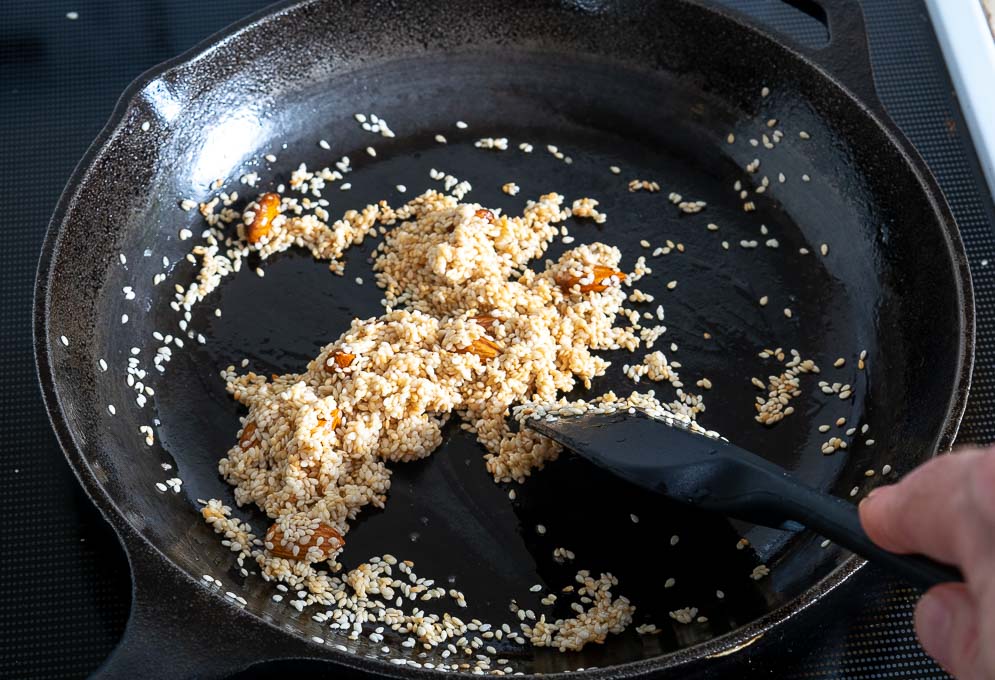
846 57
180 629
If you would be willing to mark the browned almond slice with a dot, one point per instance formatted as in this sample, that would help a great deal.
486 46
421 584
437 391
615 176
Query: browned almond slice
343 359
248 437
267 208
484 348
325 538
484 320
485 214
601 279
336 419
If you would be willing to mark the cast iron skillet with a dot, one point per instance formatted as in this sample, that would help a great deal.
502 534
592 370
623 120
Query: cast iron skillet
652 87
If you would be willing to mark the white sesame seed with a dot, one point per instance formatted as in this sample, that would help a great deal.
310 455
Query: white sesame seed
124 318
461 125
634 518
64 340
370 150
440 139
401 188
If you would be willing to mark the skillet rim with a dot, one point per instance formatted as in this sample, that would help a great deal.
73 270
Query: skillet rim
135 544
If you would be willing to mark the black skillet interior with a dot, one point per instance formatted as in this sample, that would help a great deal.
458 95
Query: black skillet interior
654 90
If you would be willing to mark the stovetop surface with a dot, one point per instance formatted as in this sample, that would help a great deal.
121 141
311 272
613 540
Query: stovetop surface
64 585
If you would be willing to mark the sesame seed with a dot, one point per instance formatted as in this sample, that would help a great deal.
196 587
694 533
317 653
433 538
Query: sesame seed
824 249
763 301
886 470
634 518
64 340
324 145
615 169
440 139
787 312
401 188
461 125
370 150
804 135
145 126
764 91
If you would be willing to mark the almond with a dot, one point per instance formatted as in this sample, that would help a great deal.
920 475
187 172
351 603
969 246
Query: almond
267 208
485 348
325 538
336 416
248 437
484 320
600 280
343 359
485 214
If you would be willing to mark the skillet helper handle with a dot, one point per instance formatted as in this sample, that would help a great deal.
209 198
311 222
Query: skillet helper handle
846 57
839 521
178 628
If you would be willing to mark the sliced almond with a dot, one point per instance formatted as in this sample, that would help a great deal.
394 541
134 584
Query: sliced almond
267 208
485 214
330 541
343 359
485 348
484 320
336 416
248 438
600 280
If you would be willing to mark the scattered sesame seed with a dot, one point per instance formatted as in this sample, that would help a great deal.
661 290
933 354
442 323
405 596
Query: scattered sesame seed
64 340
370 150
804 135
787 312
634 518
72 16
401 188
824 249
440 139
886 470
764 91
111 409
461 125
806 178
324 145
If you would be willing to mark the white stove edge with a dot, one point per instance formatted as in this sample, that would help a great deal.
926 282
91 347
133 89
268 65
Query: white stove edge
969 49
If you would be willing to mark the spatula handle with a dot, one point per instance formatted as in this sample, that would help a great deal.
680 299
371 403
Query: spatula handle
839 521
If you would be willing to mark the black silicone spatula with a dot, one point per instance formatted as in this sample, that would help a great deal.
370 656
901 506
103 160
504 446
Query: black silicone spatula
706 471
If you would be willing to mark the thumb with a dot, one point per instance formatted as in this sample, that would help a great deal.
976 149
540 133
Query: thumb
947 625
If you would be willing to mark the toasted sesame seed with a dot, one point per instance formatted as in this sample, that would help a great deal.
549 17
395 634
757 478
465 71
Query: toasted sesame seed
824 249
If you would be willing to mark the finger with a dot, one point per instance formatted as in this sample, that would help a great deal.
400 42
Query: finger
983 484
947 626
916 515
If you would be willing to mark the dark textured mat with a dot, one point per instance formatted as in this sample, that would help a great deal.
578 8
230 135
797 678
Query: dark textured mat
64 587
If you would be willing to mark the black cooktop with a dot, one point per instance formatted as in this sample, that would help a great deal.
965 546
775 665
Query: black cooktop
64 584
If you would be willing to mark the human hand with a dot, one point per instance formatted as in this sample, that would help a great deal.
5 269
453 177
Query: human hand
946 509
